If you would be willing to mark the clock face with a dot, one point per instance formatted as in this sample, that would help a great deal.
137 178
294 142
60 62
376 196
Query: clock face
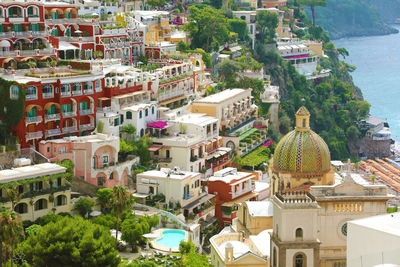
343 229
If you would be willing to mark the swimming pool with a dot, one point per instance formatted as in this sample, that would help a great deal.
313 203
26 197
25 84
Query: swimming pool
171 238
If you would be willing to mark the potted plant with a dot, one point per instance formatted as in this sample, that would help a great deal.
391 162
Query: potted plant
53 65
32 66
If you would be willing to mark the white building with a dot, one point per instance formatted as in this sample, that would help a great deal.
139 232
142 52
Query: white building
374 241
179 187
190 142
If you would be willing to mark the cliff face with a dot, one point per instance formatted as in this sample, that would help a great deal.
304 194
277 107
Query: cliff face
344 18
389 9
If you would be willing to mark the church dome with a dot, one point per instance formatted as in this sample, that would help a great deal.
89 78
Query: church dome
302 151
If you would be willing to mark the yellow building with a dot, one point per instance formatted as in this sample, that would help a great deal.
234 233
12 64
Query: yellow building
301 158
254 217
157 28
43 188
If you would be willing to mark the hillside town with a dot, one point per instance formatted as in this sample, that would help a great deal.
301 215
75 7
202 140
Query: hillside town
133 134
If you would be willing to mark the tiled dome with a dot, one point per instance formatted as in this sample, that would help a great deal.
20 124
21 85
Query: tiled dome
302 151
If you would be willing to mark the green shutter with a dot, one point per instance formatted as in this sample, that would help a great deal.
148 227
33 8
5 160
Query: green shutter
1 28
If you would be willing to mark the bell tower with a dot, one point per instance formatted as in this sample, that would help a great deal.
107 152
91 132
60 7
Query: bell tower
294 239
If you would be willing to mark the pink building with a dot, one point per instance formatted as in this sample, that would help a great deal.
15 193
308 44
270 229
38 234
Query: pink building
95 158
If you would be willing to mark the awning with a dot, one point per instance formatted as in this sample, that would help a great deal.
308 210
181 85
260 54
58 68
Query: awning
66 46
104 98
26 59
172 100
5 43
139 195
8 60
154 148
198 202
240 200
157 124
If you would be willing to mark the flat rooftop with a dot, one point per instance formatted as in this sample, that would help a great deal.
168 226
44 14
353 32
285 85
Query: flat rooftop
196 118
95 138
388 223
221 96
260 208
31 171
166 172
228 175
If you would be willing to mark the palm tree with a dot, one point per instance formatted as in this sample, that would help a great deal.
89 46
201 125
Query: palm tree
11 231
122 201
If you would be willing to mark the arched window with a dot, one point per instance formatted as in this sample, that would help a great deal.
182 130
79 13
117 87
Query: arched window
41 204
299 260
299 234
76 87
140 114
21 208
146 112
14 92
128 115
47 90
152 110
30 93
61 200
304 123
141 132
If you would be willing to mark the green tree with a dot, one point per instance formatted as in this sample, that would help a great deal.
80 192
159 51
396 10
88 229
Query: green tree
205 32
130 131
266 25
11 231
182 46
33 229
106 220
312 4
186 247
70 242
104 198
156 3
122 201
227 69
343 52
84 206
240 27
14 195
125 148
132 232
194 259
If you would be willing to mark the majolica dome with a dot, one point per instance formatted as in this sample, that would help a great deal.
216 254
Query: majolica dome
302 151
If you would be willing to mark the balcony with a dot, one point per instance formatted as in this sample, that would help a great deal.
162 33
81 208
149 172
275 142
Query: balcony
242 191
16 19
71 129
86 127
88 91
53 132
31 97
85 112
33 135
76 92
48 95
36 119
65 93
163 160
69 114
52 117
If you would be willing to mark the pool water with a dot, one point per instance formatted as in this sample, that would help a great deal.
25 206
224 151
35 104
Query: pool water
171 238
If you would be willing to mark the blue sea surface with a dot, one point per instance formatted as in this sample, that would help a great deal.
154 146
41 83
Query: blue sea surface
377 59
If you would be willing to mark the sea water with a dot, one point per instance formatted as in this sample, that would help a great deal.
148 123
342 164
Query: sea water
377 59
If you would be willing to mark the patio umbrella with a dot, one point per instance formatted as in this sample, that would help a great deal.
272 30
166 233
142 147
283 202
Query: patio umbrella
5 43
150 235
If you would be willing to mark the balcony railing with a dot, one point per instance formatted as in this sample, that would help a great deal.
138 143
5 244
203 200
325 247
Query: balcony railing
33 135
76 92
164 160
36 119
88 91
65 93
242 191
85 112
69 114
48 95
85 127
52 117
71 129
53 132
31 97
